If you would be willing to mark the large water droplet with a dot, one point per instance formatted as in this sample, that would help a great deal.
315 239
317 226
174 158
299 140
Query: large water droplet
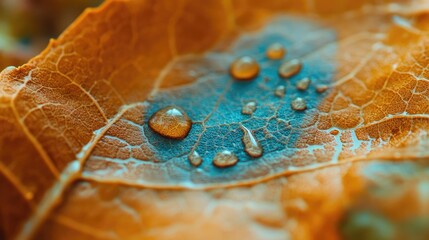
171 122
251 144
303 84
195 158
249 108
275 51
299 104
290 68
244 68
280 91
225 159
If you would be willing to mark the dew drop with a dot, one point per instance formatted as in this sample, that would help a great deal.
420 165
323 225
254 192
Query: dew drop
303 84
290 68
275 51
244 68
225 159
249 108
299 104
280 91
195 158
251 144
171 122
321 88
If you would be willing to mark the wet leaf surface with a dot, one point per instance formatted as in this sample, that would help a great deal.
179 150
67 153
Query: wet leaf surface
78 159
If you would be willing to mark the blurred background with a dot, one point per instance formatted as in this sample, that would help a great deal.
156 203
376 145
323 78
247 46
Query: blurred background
27 25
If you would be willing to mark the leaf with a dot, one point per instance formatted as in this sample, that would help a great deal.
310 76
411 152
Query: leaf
79 162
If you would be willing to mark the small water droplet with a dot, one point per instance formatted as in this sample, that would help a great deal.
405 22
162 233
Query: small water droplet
195 158
249 108
251 144
244 68
225 159
290 68
299 104
303 84
275 51
171 122
280 91
321 88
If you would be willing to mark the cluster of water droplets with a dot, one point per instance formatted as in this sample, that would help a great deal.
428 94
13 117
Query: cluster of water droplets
173 122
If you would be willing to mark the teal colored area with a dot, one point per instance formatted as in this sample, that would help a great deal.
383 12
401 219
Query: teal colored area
215 100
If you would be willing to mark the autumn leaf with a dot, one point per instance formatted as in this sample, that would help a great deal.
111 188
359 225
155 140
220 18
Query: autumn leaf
79 161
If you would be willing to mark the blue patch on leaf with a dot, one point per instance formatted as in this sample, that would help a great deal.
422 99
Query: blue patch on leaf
215 100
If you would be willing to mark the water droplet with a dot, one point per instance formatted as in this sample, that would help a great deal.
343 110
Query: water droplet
249 108
280 91
225 159
244 68
171 122
299 104
251 144
195 158
303 84
321 88
290 68
275 51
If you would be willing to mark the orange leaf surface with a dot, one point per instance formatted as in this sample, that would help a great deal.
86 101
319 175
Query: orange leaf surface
78 161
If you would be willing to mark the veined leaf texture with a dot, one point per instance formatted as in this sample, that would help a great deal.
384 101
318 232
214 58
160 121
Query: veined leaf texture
340 146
